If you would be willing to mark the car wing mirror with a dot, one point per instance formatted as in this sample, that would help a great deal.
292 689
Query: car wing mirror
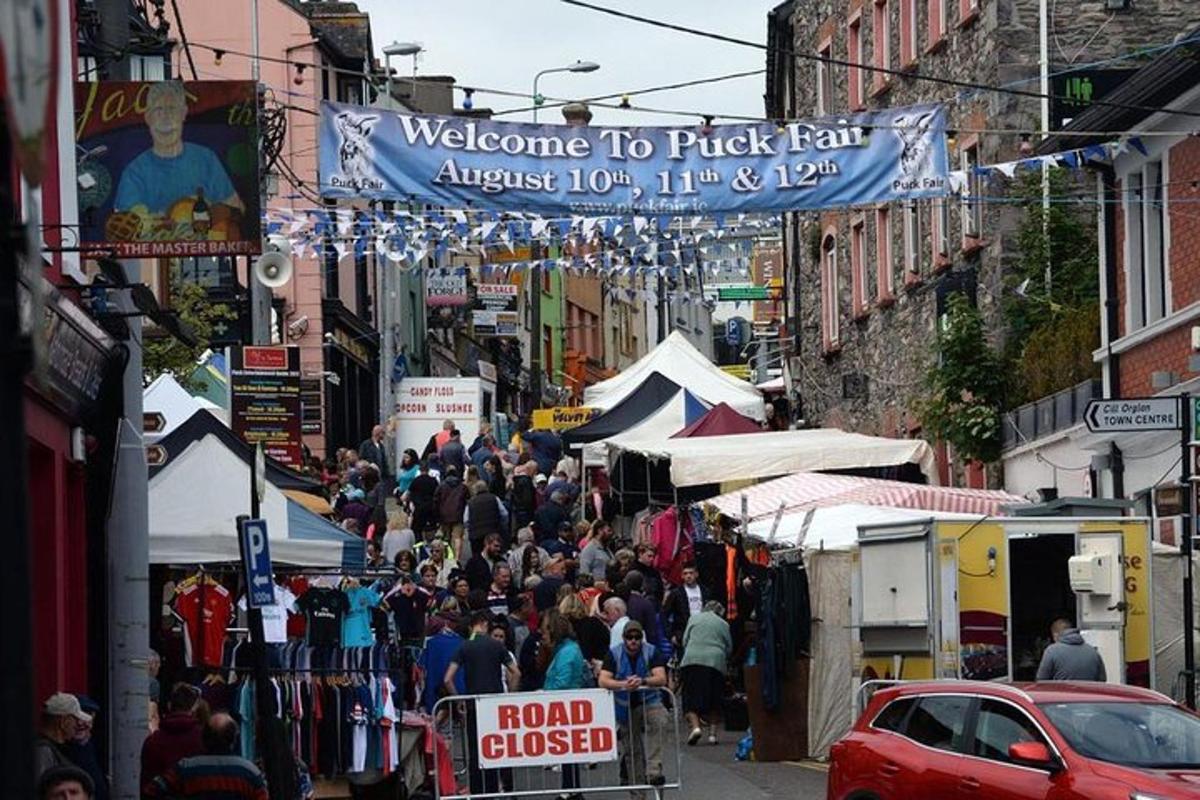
1033 754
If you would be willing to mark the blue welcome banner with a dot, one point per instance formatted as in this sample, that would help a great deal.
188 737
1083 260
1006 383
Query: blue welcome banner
856 159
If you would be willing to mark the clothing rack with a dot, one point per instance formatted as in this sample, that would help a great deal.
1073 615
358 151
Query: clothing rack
314 670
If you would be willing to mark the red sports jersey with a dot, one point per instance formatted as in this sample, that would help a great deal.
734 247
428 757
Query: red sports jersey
217 605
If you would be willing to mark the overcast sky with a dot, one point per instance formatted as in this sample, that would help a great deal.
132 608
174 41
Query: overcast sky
502 45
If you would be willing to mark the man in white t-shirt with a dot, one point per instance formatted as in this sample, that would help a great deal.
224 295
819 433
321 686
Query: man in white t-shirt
684 600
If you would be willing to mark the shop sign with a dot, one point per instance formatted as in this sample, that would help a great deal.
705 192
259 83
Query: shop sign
265 405
563 418
168 168
834 162
352 345
544 728
495 310
446 287
77 352
737 370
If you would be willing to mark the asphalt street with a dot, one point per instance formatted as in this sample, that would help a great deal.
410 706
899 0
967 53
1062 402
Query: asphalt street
712 773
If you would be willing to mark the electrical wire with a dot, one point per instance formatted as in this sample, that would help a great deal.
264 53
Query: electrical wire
870 68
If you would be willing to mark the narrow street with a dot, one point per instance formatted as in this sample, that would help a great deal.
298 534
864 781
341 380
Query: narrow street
712 773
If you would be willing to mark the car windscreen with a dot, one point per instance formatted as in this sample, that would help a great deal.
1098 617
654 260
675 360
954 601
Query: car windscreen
1146 735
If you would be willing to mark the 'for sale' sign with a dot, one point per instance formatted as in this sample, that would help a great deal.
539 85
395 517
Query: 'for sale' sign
537 728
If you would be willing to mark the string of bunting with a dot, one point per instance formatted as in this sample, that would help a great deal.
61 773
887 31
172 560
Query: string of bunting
616 246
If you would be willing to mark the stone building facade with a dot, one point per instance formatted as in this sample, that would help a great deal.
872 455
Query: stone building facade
870 283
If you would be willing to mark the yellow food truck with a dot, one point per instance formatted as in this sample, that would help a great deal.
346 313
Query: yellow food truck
975 599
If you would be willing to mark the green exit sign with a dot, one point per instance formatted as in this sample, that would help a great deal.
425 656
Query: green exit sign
743 293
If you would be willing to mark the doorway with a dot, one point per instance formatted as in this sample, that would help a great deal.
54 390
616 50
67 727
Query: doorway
1039 593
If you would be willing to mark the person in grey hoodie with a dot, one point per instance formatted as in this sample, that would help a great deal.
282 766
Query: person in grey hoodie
1070 658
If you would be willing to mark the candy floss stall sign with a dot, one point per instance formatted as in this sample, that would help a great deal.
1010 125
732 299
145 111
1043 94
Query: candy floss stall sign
540 728
869 157
168 168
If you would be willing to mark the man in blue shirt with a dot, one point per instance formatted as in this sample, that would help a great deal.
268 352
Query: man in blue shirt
172 169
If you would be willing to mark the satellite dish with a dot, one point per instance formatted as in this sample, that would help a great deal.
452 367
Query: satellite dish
274 267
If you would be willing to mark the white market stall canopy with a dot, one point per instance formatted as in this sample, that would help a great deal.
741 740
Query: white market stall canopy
835 527
196 497
713 459
824 507
677 413
678 360
165 396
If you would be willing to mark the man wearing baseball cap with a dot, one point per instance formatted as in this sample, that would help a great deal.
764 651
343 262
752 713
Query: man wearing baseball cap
61 715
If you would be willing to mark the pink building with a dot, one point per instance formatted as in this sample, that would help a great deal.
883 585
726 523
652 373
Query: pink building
309 51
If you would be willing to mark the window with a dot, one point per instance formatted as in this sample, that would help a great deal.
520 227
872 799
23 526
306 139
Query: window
858 267
893 716
1145 245
1000 725
147 68
854 52
972 201
830 290
968 10
884 271
548 350
939 224
908 32
86 69
825 103
547 285
937 23
937 721
912 241
881 43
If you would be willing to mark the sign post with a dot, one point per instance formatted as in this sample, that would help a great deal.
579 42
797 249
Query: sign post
1134 414
260 591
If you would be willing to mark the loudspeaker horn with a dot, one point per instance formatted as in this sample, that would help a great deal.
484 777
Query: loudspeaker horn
274 267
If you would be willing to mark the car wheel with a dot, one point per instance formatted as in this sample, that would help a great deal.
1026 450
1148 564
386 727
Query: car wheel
862 797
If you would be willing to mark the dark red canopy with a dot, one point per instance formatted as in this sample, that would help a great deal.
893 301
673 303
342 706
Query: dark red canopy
720 420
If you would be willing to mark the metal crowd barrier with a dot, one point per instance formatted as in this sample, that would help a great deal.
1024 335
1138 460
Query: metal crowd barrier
648 759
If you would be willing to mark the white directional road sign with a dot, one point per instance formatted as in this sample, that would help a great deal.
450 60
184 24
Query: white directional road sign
1133 414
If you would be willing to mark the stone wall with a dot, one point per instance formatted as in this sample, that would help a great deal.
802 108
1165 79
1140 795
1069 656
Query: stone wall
870 381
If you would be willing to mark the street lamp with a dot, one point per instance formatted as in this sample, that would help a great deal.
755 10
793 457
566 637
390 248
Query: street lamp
400 49
578 66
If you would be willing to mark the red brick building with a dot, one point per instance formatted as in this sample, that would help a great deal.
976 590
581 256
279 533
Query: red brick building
1148 195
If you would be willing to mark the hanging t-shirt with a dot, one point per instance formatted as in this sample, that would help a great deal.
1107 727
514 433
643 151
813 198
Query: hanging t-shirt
356 627
323 610
361 716
298 585
275 618
205 609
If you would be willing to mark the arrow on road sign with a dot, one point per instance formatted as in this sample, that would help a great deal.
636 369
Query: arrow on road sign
156 455
1133 414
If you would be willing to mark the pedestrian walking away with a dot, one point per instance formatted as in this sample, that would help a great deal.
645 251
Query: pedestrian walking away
707 645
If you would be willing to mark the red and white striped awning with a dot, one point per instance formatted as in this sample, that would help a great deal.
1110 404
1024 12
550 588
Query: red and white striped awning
807 490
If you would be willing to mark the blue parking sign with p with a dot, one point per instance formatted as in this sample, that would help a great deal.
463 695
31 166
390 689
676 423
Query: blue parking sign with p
256 560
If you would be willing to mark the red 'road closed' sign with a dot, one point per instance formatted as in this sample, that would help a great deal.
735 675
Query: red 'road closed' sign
537 728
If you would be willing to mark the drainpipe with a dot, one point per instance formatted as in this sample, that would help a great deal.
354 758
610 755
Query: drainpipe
1111 303
1112 318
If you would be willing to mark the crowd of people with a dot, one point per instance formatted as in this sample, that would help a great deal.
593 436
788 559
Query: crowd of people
495 547
503 577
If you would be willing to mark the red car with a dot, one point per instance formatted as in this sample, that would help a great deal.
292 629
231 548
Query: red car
964 740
